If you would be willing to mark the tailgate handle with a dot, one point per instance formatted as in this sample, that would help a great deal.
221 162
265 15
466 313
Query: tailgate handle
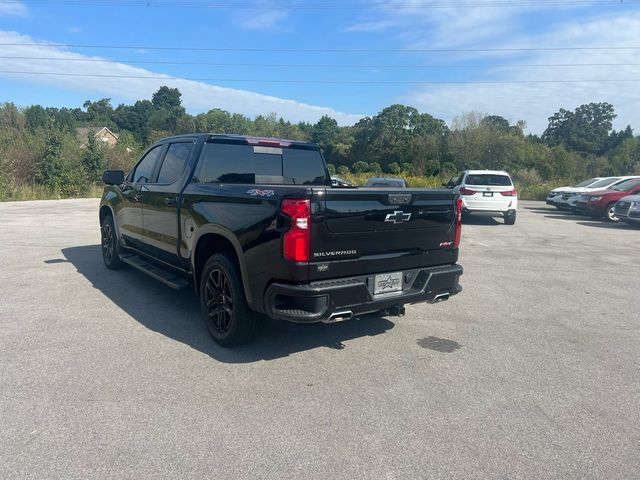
399 198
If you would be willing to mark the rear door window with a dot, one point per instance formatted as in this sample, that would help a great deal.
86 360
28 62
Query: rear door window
233 163
174 162
486 179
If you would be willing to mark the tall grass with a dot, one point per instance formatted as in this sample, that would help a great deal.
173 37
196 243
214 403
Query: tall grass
13 193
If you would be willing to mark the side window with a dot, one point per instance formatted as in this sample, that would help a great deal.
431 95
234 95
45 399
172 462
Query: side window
144 170
174 162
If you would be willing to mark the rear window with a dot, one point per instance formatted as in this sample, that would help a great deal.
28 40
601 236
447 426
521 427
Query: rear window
233 163
385 183
488 179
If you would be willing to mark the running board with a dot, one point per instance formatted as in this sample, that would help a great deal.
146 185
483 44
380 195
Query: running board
166 277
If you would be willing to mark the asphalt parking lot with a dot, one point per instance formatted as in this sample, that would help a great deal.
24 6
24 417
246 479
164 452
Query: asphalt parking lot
532 372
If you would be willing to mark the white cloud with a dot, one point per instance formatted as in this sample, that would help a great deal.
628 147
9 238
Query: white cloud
260 17
196 96
521 27
535 102
13 9
374 26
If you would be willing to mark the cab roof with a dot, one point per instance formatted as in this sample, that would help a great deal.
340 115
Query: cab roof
246 139
487 172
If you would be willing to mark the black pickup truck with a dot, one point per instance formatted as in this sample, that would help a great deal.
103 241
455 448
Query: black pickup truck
256 226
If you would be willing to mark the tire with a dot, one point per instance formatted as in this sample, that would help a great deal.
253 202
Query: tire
109 244
510 218
229 319
610 215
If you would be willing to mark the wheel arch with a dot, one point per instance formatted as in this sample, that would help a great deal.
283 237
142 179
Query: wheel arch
104 211
213 239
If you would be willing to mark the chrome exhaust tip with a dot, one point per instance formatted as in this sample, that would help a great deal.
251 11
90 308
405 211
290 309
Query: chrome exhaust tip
339 317
442 297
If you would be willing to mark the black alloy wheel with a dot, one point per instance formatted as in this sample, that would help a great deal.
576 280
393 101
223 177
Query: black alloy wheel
219 301
229 319
109 244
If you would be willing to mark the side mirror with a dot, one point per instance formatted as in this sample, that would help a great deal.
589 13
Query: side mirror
113 177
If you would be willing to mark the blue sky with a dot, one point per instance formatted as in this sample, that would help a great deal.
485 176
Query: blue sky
369 25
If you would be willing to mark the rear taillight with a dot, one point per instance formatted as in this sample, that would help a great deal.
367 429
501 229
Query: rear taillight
466 191
296 239
456 241
509 193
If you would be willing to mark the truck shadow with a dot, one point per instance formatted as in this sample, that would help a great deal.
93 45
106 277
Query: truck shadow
176 315
482 220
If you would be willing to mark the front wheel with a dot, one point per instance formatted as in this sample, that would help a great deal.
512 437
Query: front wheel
610 213
109 243
229 319
510 218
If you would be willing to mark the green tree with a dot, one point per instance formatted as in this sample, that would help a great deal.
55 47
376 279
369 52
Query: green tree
36 117
331 168
93 158
374 167
496 123
360 167
134 118
394 167
99 111
11 116
57 169
343 170
585 130
167 109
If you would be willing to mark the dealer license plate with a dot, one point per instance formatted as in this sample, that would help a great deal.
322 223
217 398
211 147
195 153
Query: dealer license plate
388 282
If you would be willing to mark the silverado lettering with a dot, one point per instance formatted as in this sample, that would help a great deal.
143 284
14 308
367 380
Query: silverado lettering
335 254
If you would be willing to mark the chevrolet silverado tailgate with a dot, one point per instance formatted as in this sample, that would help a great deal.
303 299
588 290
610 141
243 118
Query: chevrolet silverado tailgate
361 231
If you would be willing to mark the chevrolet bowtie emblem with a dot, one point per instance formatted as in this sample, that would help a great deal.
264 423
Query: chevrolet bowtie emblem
398 217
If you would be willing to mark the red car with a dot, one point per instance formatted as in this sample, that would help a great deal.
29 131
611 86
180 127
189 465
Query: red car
601 204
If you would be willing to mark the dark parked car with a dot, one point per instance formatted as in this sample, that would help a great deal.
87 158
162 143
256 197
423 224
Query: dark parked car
387 182
254 224
337 181
628 209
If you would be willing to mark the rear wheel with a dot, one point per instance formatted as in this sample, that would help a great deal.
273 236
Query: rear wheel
109 243
510 218
610 213
229 319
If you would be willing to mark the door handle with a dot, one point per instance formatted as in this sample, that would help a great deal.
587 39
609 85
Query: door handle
170 201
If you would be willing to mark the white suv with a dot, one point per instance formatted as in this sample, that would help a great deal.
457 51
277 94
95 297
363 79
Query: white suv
489 191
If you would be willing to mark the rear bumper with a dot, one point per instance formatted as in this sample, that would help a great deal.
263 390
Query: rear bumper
510 211
324 300
495 204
